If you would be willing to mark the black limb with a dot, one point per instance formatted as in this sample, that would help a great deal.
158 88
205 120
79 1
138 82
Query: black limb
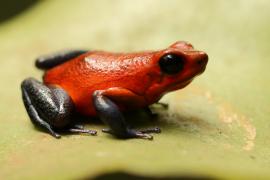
49 107
78 128
52 60
110 114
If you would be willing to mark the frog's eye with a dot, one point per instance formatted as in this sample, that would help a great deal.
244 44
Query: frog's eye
171 63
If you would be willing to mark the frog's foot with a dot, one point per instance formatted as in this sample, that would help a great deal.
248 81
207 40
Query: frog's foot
144 134
110 114
80 129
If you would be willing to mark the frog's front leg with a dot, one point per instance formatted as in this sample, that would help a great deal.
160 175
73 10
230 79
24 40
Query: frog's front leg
110 114
49 107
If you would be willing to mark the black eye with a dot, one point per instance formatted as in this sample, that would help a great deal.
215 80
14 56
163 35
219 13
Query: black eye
171 63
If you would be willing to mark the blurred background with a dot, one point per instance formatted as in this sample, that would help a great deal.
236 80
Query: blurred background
13 8
218 127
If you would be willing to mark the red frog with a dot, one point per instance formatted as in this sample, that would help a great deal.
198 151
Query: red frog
105 84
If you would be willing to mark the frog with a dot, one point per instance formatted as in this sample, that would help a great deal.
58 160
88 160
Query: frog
105 85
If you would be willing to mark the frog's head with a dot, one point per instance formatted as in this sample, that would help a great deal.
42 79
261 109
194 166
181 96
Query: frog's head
177 66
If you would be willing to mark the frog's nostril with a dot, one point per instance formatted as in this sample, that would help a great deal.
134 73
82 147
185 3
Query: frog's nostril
200 62
202 59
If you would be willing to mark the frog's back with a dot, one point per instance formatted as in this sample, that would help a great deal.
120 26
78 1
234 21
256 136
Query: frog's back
97 70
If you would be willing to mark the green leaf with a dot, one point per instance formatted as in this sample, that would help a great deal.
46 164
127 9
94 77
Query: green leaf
217 127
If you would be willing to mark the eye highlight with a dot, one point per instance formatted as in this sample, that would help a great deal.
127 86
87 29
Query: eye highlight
171 63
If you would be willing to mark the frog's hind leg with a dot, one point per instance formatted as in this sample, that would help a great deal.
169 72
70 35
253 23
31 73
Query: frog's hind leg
49 107
52 60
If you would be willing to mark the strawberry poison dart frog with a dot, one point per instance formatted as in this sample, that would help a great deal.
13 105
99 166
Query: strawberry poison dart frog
105 84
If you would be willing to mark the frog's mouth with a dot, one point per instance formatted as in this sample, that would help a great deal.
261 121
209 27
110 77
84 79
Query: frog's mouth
190 75
180 85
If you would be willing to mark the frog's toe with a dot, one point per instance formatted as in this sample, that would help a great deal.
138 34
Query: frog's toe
130 133
139 134
144 134
82 130
151 130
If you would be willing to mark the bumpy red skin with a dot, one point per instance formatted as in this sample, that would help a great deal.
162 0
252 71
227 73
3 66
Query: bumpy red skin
132 80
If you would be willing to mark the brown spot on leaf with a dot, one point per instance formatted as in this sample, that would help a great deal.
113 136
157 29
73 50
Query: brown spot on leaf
198 107
228 116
